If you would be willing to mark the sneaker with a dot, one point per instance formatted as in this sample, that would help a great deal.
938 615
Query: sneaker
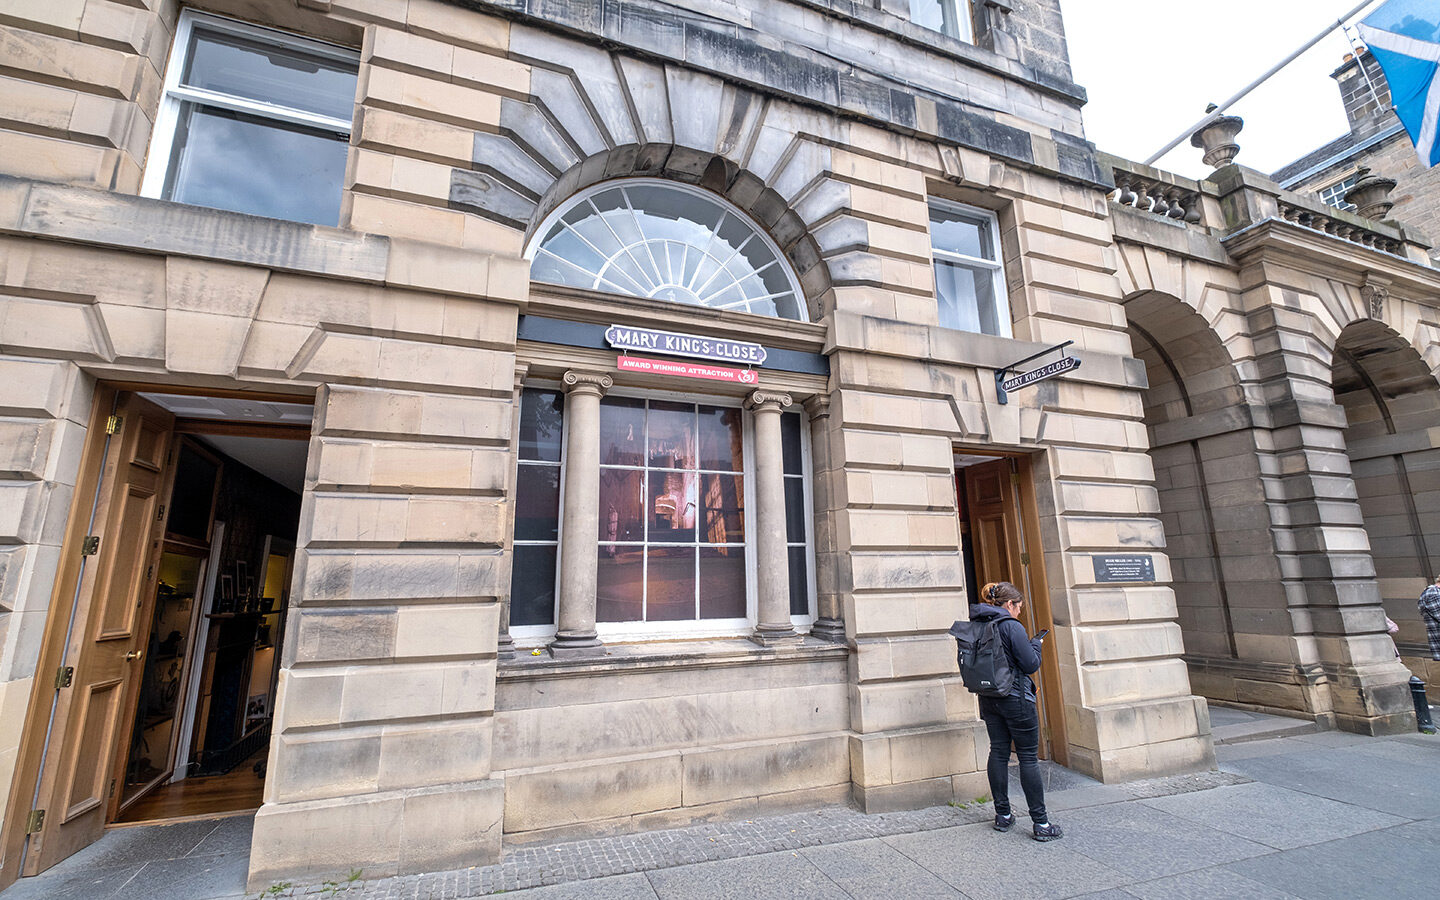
1004 823
1050 832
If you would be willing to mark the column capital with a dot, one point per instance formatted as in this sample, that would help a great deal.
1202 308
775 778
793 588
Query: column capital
579 381
768 401
818 405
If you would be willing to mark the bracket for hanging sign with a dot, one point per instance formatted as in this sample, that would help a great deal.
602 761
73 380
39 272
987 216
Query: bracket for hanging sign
1004 384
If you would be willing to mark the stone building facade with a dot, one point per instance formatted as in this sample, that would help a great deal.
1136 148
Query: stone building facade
544 587
1377 141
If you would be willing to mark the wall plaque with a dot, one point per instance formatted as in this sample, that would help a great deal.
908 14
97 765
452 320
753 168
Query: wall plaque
1131 567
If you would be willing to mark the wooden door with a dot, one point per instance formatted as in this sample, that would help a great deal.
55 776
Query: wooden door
105 639
1003 546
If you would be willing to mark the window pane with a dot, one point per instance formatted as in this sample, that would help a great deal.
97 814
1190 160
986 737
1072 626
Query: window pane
229 161
721 439
790 443
799 582
541 416
672 507
622 431
667 243
794 510
622 505
966 299
270 73
949 17
961 233
670 590
620 584
532 586
722 583
672 435
724 504
537 503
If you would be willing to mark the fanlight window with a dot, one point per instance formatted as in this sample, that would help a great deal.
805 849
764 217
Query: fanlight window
668 242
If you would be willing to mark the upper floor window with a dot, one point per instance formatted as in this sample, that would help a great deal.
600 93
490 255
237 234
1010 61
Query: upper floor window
1334 194
254 121
969 281
650 238
949 17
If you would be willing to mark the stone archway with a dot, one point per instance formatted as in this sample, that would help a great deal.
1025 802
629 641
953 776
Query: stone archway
1392 409
1230 603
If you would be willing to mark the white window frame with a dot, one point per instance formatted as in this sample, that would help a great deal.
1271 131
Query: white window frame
162 142
531 636
583 196
1338 202
996 266
964 16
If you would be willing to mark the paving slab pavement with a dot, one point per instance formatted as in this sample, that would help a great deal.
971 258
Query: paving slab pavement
1312 816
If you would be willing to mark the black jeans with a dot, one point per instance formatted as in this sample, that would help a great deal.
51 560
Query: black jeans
1014 719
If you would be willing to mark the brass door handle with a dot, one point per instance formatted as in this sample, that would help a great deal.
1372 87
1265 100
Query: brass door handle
134 655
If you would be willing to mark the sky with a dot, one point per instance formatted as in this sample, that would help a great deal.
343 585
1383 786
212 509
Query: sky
1151 66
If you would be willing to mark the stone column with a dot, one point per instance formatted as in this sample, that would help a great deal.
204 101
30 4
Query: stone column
580 520
829 623
772 561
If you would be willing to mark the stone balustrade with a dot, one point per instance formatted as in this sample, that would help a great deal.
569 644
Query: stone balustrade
1157 196
1310 213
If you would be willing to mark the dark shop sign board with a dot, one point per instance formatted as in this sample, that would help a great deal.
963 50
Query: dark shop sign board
1131 567
694 346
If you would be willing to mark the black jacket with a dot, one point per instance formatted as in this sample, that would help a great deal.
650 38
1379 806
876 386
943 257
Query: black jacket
1024 650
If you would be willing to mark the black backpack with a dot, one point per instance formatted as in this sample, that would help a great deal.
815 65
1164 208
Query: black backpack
985 665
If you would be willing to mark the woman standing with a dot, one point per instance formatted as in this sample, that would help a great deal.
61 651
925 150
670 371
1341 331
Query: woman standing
1014 719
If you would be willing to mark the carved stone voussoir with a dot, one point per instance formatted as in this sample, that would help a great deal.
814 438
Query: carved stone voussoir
1374 294
576 380
761 400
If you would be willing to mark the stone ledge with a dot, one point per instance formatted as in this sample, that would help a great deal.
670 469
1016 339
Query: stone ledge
57 212
667 655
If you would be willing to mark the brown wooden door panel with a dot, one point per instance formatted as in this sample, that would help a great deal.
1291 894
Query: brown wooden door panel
89 774
116 589
115 599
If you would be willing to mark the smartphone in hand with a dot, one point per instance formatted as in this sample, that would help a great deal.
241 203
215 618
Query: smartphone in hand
1041 635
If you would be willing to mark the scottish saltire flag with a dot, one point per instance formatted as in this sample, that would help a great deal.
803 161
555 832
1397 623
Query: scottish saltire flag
1404 36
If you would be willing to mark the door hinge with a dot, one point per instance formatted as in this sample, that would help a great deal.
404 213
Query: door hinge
160 516
64 676
112 789
113 424
1024 559
91 545
1015 478
35 821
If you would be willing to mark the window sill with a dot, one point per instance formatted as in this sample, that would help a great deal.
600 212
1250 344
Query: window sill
717 653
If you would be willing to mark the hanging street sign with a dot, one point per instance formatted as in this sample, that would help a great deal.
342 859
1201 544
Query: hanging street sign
1050 370
627 363
1034 376
670 343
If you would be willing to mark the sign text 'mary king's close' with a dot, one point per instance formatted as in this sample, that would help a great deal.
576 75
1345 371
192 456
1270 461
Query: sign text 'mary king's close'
623 337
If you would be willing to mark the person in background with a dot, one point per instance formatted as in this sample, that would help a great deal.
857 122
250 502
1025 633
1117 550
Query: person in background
1430 612
1014 719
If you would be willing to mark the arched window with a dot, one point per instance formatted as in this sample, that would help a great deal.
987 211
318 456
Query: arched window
666 241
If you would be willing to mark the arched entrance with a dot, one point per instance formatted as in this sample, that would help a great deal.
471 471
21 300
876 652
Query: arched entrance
1230 601
1392 408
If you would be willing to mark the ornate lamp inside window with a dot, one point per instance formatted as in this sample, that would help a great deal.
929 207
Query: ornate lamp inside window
665 241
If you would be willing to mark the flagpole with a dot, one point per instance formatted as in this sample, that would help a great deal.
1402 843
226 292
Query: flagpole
1218 111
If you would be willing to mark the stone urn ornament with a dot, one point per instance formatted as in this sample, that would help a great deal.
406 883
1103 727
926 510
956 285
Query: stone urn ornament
1218 139
1371 194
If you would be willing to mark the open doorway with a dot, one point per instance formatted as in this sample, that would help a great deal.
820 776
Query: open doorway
185 526
999 541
